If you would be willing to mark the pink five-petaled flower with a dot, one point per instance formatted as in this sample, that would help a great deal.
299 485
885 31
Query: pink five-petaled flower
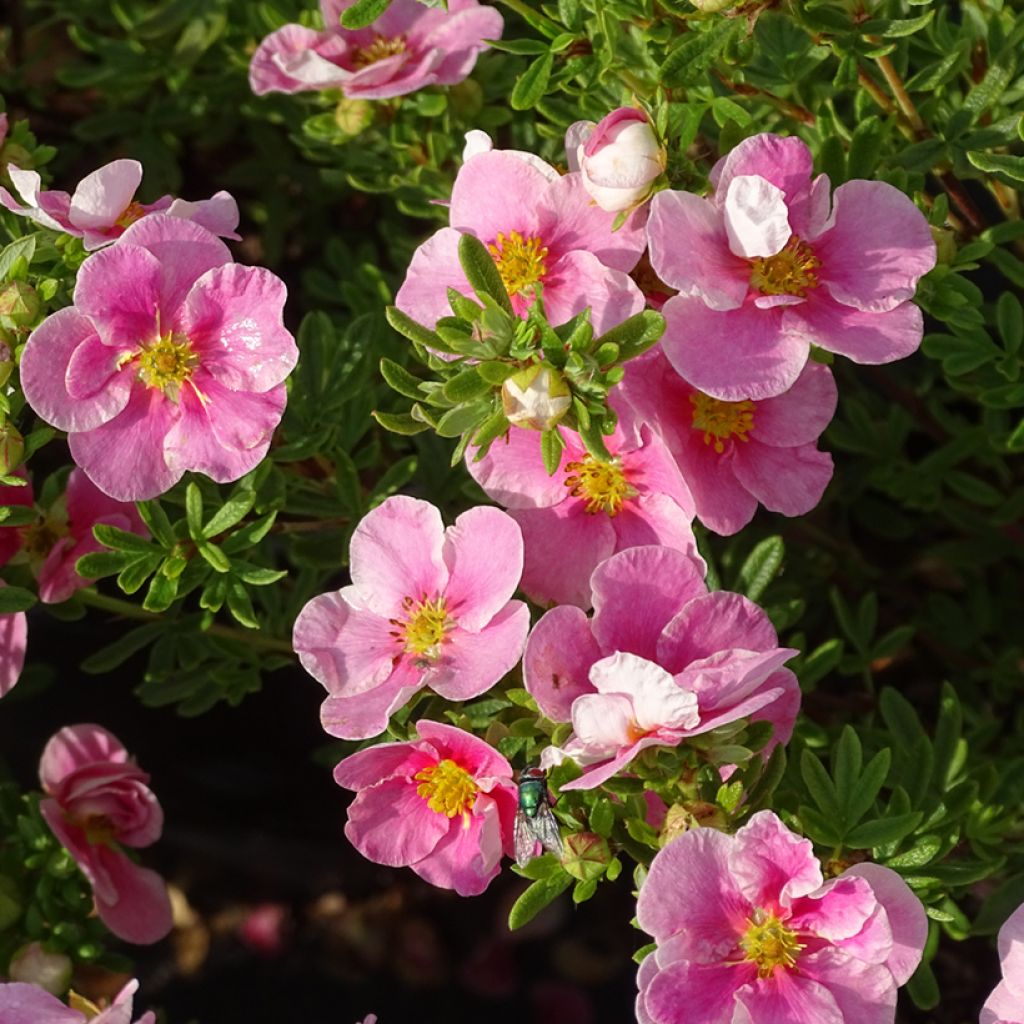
767 267
172 358
443 805
427 607
21 1003
748 932
718 649
1006 1003
103 205
587 510
541 228
407 48
97 801
733 455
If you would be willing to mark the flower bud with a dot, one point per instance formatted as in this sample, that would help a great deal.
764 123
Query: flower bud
19 305
620 158
585 855
945 244
12 448
352 115
33 965
535 398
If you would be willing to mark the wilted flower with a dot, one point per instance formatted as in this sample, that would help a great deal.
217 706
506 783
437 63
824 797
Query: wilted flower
1006 1003
748 930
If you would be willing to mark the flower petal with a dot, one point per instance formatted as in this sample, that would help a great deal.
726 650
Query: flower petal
559 654
756 217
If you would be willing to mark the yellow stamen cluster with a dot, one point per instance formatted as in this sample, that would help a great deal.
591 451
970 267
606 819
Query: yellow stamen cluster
520 260
425 627
793 271
769 943
602 484
379 49
130 214
447 788
167 364
721 420
98 829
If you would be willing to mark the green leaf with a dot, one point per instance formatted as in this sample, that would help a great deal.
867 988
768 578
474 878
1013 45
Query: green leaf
761 567
482 273
399 423
161 594
1010 319
858 801
103 563
214 556
551 445
401 380
1009 169
880 831
110 657
409 329
635 335
121 540
240 605
820 785
697 52
846 765
15 599
194 510
155 518
536 898
20 249
532 83
232 512
465 386
923 988
822 660
362 13
602 817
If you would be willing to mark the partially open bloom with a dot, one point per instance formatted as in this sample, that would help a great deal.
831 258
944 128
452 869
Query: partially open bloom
771 265
587 510
172 358
428 606
541 228
748 931
407 48
620 158
718 650
733 455
1006 1003
535 398
97 801
103 205
443 805
21 1003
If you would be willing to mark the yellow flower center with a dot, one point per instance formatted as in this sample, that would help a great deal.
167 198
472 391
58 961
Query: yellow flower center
379 49
98 828
793 271
167 364
721 420
447 788
769 943
520 260
602 484
130 214
425 627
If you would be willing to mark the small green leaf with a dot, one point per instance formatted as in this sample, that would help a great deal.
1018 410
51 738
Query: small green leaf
155 518
401 380
193 511
214 556
551 445
400 423
880 831
482 273
532 83
362 13
761 567
536 898
232 512
465 386
635 335
121 540
15 599
820 785
409 329
161 594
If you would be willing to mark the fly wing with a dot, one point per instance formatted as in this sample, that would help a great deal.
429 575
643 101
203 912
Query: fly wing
525 840
545 828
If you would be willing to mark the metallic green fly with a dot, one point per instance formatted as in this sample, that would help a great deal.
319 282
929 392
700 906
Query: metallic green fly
534 821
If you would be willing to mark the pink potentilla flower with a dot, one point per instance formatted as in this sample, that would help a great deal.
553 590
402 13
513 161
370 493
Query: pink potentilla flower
428 606
407 48
1006 1003
734 454
103 205
587 510
97 801
652 602
748 932
443 805
172 358
86 506
768 266
13 641
21 1003
541 228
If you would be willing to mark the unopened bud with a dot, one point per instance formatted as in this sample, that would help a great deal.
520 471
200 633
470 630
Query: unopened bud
35 966
945 244
353 115
12 448
585 855
535 398
19 305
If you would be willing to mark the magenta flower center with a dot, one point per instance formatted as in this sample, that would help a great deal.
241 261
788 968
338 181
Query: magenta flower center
167 364
602 485
425 627
768 943
793 271
381 48
520 260
721 420
447 787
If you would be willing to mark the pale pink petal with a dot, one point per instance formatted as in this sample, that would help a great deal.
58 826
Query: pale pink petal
799 415
878 248
57 578
656 519
13 640
756 217
101 197
513 474
743 353
598 774
652 470
636 593
460 38
391 824
863 337
120 1010
366 714
119 289
579 280
484 554
434 269
396 553
218 214
1003 1006
722 503
733 684
654 698
47 208
838 910
691 993
287 61
601 724
770 864
790 997
21 1003
1010 940
782 710
468 856
689 250
559 653
497 193
864 993
74 747
786 480
382 762
96 371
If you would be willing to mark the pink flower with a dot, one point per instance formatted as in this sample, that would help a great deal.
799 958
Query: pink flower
620 158
587 510
1006 1003
719 650
87 506
13 640
172 358
427 607
769 266
734 454
97 801
748 932
541 228
21 1003
103 205
407 48
443 805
